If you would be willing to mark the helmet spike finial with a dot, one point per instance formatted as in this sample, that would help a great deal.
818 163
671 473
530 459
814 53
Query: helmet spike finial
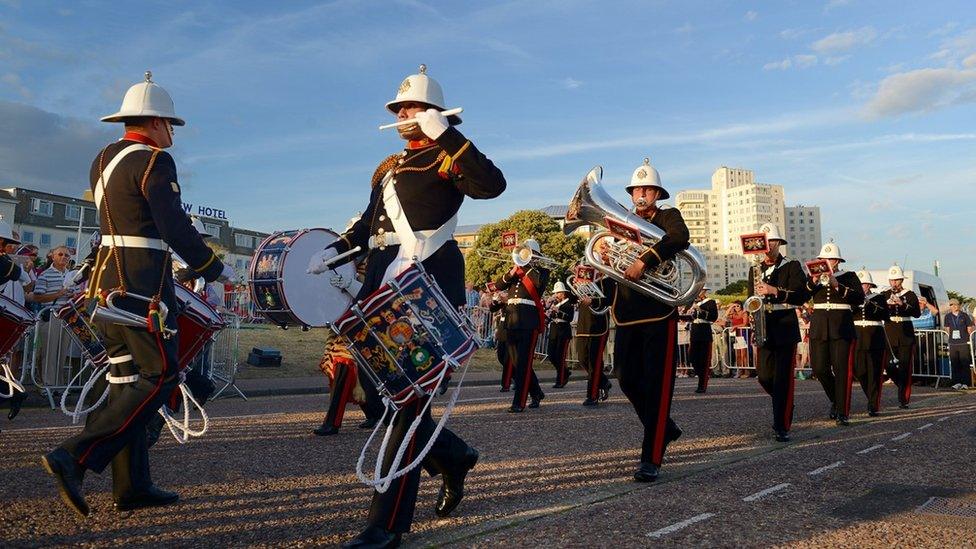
423 68
148 76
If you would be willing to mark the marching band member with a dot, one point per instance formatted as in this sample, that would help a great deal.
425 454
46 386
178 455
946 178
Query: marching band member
647 330
413 214
702 315
782 286
15 282
524 320
141 218
903 306
339 367
832 331
501 340
592 331
872 346
560 332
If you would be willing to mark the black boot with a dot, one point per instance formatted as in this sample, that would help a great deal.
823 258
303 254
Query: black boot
69 475
374 537
369 423
536 400
453 488
591 402
647 472
325 429
16 402
154 429
673 434
149 497
783 436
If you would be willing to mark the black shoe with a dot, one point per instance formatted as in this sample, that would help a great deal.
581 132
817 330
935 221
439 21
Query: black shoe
516 410
368 424
69 475
783 436
843 420
591 402
152 497
16 402
325 430
903 406
700 390
833 413
452 490
874 413
154 429
374 537
605 392
647 472
535 401
671 436
504 390
558 385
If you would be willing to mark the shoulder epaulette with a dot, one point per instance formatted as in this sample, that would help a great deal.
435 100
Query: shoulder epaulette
386 165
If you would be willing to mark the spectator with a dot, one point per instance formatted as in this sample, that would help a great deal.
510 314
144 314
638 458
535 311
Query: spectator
742 333
958 325
49 291
49 287
927 320
471 296
803 348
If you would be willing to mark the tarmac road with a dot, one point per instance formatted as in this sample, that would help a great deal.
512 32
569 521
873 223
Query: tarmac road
555 477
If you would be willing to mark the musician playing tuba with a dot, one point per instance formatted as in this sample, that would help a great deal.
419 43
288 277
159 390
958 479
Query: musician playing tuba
781 284
645 352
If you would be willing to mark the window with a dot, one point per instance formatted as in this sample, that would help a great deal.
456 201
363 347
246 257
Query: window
244 240
239 264
27 237
213 230
70 242
42 207
45 240
72 212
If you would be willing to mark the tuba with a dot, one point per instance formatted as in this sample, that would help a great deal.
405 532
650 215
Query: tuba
755 305
674 282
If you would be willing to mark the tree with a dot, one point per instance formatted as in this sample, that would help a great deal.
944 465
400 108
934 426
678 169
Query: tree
567 250
739 287
963 300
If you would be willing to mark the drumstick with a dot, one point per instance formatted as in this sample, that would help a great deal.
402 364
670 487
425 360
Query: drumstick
342 256
409 121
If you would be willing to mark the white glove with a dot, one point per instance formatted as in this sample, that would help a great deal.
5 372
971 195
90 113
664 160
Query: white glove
339 281
432 122
318 264
25 277
228 274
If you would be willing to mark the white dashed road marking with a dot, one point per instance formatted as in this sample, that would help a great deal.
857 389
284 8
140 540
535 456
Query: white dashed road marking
763 493
679 525
825 468
902 436
871 449
926 426
941 419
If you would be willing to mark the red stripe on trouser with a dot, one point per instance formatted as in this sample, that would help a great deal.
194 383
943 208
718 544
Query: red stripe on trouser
788 410
597 366
850 376
128 420
563 368
880 380
662 410
404 479
507 372
908 375
349 382
708 365
528 369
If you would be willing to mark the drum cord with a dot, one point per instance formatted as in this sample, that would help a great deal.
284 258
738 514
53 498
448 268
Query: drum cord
8 377
382 483
76 414
181 431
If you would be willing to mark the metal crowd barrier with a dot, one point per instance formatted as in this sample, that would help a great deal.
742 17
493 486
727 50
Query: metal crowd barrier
56 360
932 355
740 353
223 363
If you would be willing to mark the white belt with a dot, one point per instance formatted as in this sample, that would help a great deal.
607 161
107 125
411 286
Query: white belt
125 241
832 306
868 323
700 321
383 240
559 320
900 319
780 306
121 380
520 301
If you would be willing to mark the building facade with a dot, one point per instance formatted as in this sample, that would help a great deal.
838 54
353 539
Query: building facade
803 231
49 220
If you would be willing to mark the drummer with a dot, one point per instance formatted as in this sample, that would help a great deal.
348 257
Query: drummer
14 282
412 212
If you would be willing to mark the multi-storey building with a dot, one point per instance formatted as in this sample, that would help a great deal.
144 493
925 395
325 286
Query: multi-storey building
803 231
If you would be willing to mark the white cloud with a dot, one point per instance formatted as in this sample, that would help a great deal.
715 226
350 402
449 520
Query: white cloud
831 4
970 62
751 15
13 81
921 90
836 60
944 29
804 61
843 41
571 83
778 65
684 29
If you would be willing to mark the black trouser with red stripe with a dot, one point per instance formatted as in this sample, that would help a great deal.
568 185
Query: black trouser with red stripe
775 373
393 510
521 346
868 369
589 351
837 382
558 351
120 423
902 374
645 358
506 362
343 385
700 356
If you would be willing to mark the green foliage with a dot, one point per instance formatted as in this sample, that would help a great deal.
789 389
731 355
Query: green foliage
567 250
963 299
739 287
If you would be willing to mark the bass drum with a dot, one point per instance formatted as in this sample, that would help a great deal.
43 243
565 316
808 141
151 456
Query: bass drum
284 293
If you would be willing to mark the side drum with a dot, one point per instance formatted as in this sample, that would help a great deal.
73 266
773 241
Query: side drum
14 321
284 293
197 323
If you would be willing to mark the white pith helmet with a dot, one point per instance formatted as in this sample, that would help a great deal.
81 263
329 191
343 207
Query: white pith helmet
559 287
198 225
6 233
146 99
646 176
422 89
865 277
830 250
895 273
772 232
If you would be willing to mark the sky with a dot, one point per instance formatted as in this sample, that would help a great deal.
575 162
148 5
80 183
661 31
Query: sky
864 108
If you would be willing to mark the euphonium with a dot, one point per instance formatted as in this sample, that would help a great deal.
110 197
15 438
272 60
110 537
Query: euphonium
756 307
674 282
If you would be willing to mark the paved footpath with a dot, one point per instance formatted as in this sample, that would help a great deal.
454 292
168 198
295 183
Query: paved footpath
555 477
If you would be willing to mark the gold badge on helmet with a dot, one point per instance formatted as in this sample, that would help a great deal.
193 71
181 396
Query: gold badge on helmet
642 174
404 86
